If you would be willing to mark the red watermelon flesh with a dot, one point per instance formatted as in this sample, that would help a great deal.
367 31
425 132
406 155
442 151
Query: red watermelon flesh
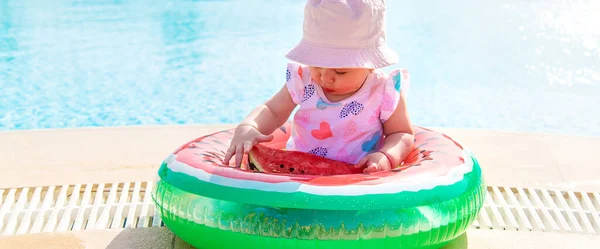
270 160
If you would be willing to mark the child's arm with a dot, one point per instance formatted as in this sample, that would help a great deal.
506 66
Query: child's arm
399 134
398 141
272 114
264 119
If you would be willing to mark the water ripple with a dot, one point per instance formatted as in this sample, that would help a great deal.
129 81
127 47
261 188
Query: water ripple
508 64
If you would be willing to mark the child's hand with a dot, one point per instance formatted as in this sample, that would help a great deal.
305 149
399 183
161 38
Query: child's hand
244 139
374 162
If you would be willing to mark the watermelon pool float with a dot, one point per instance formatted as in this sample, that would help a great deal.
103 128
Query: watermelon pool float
424 203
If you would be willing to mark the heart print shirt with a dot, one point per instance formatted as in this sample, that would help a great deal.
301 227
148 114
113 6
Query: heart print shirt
346 130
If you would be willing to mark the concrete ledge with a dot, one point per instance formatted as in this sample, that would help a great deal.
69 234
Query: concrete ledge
98 155
90 155
162 238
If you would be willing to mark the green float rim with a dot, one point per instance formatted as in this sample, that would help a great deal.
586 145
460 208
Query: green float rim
402 199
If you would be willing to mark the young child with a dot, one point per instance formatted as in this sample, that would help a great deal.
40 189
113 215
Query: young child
350 110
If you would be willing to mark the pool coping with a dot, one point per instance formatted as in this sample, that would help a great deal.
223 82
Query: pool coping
134 153
115 154
161 237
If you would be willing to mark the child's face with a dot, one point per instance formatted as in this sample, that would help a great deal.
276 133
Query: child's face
339 81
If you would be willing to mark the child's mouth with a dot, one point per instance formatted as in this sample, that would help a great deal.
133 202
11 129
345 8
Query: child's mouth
328 90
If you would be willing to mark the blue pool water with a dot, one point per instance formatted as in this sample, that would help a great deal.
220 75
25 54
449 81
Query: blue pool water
491 64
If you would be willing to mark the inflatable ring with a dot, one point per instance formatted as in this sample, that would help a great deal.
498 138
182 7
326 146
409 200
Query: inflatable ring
424 203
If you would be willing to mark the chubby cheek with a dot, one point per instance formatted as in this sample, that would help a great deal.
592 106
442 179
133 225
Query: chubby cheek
316 77
349 84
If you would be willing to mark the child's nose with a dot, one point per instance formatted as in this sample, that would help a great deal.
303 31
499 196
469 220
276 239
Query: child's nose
327 75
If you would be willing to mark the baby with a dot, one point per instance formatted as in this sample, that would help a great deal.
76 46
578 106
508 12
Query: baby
349 109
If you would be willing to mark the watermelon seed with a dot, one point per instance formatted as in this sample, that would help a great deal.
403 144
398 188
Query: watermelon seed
291 169
281 166
302 171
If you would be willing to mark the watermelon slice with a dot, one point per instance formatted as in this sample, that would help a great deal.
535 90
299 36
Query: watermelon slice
270 160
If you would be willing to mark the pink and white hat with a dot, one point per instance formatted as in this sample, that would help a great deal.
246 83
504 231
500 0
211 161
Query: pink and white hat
344 34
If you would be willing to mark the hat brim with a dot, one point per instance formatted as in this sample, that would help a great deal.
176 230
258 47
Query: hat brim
313 55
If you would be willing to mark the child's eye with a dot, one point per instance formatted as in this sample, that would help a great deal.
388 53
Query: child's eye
340 73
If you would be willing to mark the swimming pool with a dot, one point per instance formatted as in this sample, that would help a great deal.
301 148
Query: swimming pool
508 65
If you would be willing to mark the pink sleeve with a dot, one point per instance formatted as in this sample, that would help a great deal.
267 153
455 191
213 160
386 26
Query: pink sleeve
295 75
398 81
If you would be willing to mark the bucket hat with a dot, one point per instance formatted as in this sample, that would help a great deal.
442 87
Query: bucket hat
344 34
